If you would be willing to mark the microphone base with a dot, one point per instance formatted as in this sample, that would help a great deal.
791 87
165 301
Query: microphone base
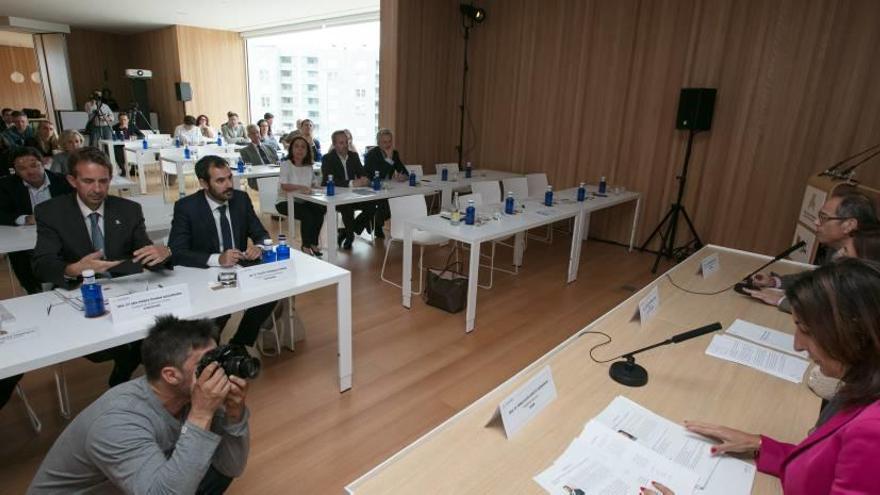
629 374
740 288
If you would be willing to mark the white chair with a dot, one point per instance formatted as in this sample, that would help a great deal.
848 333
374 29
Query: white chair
405 208
416 169
478 200
537 184
489 191
32 416
518 185
451 167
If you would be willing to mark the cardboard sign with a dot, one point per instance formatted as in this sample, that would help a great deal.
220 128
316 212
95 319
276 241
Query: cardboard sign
710 265
527 401
149 303
253 276
649 305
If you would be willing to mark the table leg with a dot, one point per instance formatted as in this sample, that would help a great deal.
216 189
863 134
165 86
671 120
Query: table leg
632 235
288 330
11 276
519 241
142 172
574 258
406 271
181 180
111 153
446 198
473 273
343 322
291 223
585 229
332 233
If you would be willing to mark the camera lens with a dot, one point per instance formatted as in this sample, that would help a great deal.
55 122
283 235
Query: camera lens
247 367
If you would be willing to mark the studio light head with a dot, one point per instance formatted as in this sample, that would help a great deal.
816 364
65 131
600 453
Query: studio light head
473 13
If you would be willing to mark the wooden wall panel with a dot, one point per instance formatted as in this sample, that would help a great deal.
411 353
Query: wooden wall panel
159 52
579 89
213 62
98 60
26 94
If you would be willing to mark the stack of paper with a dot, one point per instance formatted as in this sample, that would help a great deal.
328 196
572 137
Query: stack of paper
627 446
778 358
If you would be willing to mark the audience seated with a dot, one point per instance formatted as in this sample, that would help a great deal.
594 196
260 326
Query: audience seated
125 129
198 242
100 119
69 142
351 146
19 132
305 127
205 127
171 431
5 152
347 171
297 175
45 141
385 160
5 119
232 130
189 133
270 119
266 137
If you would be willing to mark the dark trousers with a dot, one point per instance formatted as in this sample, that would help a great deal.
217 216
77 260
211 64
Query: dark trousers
249 328
310 215
383 212
126 358
214 482
21 265
7 386
119 152
97 133
361 222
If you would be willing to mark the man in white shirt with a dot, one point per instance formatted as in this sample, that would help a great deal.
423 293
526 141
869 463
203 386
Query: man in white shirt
189 133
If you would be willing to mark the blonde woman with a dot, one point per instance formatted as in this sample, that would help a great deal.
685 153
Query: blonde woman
69 142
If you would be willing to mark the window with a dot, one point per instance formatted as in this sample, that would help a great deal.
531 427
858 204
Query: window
324 74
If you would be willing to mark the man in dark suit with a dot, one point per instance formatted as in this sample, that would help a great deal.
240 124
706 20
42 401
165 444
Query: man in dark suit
211 228
257 153
90 230
19 131
347 171
125 129
19 194
385 160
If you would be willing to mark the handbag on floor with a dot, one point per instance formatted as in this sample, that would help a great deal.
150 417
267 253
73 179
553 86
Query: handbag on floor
446 288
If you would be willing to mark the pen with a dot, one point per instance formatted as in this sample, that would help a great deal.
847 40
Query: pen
627 435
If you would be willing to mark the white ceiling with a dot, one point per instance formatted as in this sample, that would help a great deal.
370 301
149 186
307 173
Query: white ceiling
128 16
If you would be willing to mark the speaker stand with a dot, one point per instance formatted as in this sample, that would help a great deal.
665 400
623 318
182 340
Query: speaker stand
670 221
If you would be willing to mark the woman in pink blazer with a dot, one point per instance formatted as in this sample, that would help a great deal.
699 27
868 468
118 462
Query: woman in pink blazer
836 310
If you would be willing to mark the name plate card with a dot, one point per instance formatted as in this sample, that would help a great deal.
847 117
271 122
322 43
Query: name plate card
648 305
149 303
253 276
710 265
527 401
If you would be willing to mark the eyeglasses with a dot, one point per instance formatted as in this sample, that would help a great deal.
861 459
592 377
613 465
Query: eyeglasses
823 217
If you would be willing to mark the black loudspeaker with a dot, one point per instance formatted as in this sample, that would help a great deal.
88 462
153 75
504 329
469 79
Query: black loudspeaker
184 91
695 109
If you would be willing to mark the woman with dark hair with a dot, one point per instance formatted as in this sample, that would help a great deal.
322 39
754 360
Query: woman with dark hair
205 127
266 137
297 175
836 309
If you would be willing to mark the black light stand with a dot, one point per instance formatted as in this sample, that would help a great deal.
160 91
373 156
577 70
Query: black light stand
670 221
470 17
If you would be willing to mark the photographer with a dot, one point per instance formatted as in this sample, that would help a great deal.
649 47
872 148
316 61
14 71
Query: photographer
174 430
100 119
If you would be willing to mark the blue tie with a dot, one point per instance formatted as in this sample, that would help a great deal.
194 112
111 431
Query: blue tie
97 235
225 229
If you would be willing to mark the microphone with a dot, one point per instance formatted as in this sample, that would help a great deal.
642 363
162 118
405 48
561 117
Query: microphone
629 373
746 283
832 170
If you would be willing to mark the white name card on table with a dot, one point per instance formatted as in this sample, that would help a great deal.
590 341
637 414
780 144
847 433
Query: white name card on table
527 401
648 305
710 265
253 276
12 336
153 302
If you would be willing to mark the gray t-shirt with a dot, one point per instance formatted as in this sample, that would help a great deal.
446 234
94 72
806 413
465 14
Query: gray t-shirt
127 442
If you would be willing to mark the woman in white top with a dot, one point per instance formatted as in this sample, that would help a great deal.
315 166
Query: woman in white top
188 132
297 175
205 127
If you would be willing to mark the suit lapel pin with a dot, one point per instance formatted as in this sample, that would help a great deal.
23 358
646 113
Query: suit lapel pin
118 222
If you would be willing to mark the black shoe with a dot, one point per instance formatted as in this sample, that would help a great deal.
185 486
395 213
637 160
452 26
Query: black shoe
340 237
349 240
379 234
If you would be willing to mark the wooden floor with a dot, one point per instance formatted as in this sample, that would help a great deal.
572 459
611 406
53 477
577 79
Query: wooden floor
412 368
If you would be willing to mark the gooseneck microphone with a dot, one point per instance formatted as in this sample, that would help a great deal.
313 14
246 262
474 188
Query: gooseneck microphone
628 373
747 280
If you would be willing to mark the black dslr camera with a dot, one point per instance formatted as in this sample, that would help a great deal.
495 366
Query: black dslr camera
234 359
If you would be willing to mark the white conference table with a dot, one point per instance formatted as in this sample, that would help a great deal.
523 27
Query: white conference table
457 180
345 196
175 163
531 214
64 333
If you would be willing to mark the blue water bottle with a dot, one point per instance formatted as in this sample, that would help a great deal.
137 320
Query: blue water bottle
186 153
377 181
145 144
468 170
240 165
582 192
412 179
470 214
509 203
548 196
331 186
444 174
219 140
602 185
282 252
268 251
177 142
92 296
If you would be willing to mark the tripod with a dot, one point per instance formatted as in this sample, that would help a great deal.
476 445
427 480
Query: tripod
670 221
135 112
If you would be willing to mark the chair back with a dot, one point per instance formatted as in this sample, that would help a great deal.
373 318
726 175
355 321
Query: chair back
537 183
490 190
518 185
463 199
416 169
268 194
405 208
